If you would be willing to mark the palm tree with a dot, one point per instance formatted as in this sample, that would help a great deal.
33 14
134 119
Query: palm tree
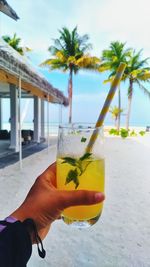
112 58
115 111
70 53
15 43
136 72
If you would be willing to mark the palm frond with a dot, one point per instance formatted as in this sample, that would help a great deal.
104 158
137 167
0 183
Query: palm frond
69 50
14 42
145 76
115 111
113 56
88 62
47 62
102 68
6 38
145 90
28 49
53 50
108 80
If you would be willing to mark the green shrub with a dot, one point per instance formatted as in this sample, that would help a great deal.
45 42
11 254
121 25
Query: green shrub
133 133
113 131
142 133
124 133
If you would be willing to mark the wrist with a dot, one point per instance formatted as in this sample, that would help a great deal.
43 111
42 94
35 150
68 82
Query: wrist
18 215
23 212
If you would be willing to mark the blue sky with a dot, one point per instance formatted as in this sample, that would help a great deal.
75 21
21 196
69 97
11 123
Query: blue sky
104 21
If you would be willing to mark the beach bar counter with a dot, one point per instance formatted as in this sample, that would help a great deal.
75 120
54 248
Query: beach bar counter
19 79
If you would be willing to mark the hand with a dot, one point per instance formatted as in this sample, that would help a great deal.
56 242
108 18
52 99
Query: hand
44 202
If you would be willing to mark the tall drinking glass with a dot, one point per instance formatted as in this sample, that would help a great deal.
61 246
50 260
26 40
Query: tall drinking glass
80 170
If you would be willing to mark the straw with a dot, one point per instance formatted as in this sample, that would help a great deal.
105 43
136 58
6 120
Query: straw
106 106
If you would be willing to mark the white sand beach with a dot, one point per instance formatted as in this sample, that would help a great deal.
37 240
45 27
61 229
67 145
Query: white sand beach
121 238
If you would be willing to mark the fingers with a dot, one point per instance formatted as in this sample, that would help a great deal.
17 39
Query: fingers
80 197
50 174
52 170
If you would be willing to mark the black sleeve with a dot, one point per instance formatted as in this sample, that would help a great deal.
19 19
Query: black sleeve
15 246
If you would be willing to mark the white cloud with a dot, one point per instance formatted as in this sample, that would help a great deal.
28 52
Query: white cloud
104 21
110 20
39 22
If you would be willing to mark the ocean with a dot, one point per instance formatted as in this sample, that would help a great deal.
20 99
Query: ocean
52 129
89 94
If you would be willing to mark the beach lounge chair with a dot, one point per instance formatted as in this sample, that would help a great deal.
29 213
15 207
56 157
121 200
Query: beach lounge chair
26 136
4 135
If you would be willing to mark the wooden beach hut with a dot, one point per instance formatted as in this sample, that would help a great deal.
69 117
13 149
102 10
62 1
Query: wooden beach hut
18 78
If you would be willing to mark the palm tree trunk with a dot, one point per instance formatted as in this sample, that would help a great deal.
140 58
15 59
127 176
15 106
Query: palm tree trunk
116 126
119 107
130 93
70 95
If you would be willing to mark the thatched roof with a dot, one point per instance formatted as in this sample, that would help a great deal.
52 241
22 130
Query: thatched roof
12 62
6 9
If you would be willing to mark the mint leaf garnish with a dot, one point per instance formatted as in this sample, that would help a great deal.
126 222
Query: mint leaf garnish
72 176
80 168
85 156
69 160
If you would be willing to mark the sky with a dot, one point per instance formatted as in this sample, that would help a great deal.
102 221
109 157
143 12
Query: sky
104 21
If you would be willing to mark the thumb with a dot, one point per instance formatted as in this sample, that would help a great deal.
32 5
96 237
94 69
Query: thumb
80 197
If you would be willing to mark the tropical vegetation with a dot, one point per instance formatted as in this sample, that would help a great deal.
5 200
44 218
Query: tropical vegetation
15 41
115 111
70 52
137 71
111 59
125 133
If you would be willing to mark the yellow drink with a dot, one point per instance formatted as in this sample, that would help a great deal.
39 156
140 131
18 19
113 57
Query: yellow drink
92 178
